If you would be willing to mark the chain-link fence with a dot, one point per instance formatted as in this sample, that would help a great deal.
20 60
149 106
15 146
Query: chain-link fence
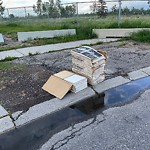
119 9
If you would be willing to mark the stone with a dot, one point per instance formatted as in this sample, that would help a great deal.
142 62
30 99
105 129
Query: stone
1 38
104 33
110 83
3 112
24 36
146 70
137 75
53 105
16 114
6 124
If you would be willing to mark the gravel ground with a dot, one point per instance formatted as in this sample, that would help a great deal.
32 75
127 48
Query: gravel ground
23 89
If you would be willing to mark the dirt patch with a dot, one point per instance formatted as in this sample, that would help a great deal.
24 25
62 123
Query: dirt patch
21 89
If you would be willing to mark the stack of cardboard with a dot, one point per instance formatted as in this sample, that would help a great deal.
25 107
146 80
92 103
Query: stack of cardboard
60 83
89 63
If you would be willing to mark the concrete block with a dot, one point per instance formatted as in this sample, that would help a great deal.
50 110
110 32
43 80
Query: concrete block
146 70
103 33
24 36
16 114
1 38
6 124
53 105
11 53
110 83
3 112
137 75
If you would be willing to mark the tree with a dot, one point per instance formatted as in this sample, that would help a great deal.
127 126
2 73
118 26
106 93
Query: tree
125 11
11 16
93 7
114 9
99 8
54 9
1 8
102 9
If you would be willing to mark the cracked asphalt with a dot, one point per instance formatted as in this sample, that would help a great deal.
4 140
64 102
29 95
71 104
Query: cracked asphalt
119 128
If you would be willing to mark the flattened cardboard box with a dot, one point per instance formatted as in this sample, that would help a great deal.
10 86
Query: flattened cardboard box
58 86
53 87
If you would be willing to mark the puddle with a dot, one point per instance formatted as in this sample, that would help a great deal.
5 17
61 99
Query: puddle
31 136
89 106
126 93
115 97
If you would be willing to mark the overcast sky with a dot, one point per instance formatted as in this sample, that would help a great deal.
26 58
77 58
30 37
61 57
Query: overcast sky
18 3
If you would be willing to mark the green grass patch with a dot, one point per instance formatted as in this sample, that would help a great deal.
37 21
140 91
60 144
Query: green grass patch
122 44
141 36
8 59
11 66
11 47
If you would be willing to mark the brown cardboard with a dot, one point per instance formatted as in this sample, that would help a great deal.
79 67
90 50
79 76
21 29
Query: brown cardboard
57 86
64 74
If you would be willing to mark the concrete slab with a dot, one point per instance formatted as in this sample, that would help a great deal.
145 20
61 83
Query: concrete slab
52 106
1 38
137 75
6 124
3 112
103 33
38 49
24 36
110 83
11 53
146 70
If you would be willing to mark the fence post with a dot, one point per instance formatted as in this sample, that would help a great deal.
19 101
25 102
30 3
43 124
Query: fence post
119 13
8 12
77 9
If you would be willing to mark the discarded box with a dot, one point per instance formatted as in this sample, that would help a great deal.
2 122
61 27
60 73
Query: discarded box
89 63
60 83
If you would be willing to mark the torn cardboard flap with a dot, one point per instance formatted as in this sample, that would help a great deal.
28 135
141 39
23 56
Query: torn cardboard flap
57 86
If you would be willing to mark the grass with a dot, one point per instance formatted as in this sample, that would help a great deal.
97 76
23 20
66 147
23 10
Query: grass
8 59
83 26
11 66
11 47
141 36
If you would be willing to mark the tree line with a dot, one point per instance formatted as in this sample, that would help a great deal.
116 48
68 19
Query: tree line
54 9
100 8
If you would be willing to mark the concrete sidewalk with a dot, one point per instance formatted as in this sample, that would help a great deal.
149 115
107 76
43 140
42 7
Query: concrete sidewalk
21 52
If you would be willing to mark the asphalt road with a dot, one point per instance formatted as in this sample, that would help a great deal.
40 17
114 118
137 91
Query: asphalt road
119 128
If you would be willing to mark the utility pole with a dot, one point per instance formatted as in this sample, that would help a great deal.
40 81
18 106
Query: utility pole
119 13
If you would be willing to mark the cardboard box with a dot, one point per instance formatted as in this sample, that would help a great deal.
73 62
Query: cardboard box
60 83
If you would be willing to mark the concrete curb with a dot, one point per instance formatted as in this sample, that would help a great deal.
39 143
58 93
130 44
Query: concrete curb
21 52
17 119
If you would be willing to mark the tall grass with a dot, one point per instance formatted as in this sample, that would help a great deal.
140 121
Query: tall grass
83 25
141 36
78 23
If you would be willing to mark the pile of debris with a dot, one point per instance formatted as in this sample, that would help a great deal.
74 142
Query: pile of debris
89 63
88 66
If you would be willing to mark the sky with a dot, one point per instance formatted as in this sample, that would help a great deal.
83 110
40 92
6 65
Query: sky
19 3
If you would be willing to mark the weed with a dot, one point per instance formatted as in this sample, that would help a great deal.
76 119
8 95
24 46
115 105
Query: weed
122 44
8 59
141 36
11 66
